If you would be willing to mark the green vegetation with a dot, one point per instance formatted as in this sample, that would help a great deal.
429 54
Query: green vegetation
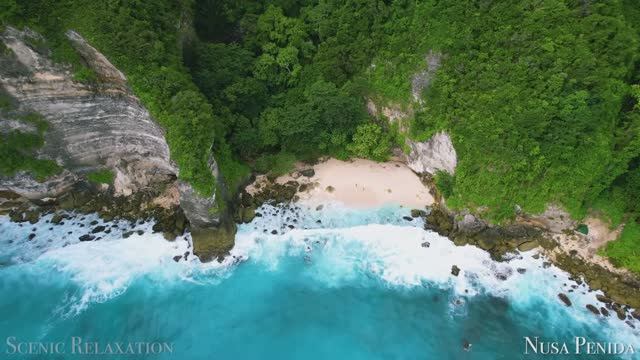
105 176
18 148
625 252
275 164
371 141
444 182
141 39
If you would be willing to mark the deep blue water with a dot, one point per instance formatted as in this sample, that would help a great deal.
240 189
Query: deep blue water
355 285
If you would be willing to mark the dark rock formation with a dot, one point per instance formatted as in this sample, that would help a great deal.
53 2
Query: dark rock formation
214 242
97 229
86 237
593 309
308 172
455 270
416 213
565 299
620 288
497 240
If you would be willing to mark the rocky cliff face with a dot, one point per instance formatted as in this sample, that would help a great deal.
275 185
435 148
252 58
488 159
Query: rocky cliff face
93 126
435 154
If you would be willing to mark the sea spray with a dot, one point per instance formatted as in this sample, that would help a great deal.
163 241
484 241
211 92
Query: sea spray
323 272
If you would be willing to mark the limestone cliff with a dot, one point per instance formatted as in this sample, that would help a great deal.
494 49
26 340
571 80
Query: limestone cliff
435 154
92 126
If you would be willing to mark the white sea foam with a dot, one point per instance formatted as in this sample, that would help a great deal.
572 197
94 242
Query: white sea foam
343 248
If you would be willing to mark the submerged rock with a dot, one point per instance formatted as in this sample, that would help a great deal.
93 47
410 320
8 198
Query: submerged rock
565 299
593 309
86 237
98 229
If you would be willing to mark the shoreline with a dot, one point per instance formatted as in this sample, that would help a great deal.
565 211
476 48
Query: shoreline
358 184
363 184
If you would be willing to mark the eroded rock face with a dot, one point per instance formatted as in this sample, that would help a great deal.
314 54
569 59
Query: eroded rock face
432 155
90 126
201 211
102 126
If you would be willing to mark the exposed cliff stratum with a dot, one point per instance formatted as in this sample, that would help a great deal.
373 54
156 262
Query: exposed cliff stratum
93 126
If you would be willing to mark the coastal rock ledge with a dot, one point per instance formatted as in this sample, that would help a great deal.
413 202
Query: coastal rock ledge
97 126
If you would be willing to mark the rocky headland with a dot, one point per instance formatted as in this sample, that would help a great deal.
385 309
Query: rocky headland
98 126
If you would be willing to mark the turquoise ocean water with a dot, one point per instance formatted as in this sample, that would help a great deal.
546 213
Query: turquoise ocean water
332 284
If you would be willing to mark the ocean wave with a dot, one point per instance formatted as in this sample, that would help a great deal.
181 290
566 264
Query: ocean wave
338 247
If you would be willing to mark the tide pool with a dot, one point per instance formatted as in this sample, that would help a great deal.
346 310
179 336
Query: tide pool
333 283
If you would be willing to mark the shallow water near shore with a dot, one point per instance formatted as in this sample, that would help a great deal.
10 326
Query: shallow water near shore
333 283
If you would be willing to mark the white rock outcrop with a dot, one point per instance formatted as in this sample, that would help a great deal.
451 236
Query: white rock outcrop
435 154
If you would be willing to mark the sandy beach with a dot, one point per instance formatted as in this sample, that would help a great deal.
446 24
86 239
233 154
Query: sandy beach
358 183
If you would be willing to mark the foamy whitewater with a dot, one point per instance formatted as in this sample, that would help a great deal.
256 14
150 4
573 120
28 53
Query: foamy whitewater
333 283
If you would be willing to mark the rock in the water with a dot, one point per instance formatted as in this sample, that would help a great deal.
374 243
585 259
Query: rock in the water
177 258
408 218
521 270
86 237
604 311
620 312
466 345
440 221
97 229
603 299
209 244
593 309
274 232
636 314
248 214
416 213
455 270
127 234
565 299
425 244
31 236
